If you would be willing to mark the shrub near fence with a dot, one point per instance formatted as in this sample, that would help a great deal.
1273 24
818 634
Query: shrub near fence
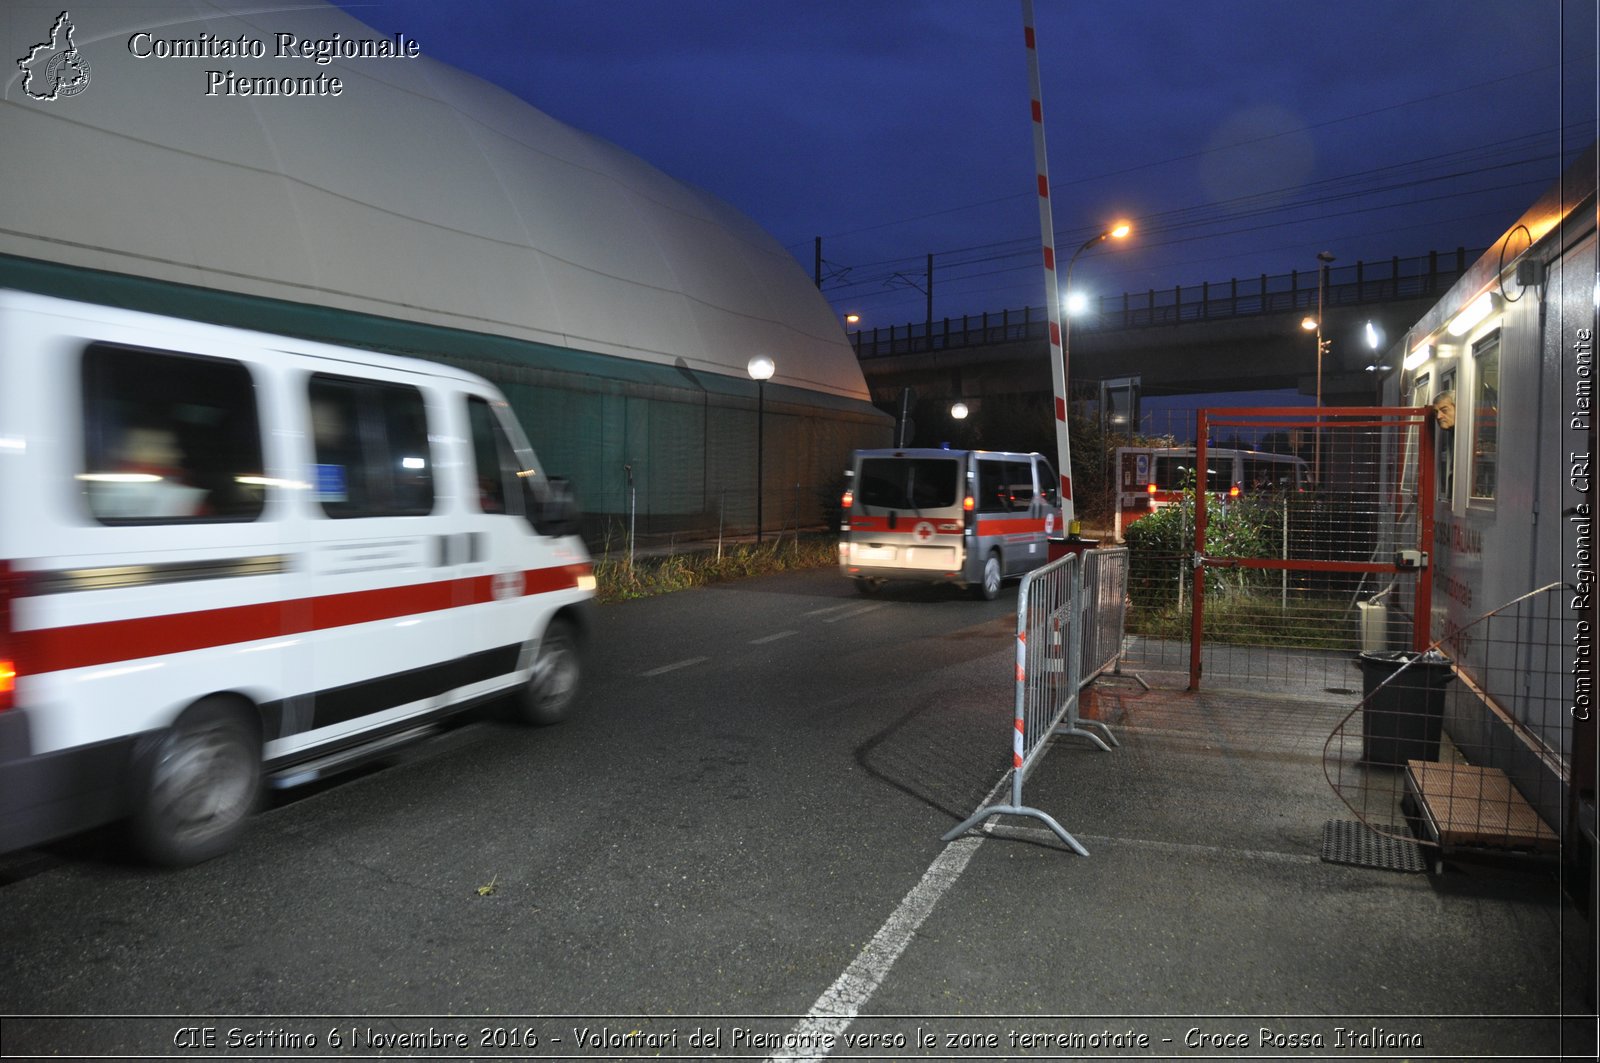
1254 606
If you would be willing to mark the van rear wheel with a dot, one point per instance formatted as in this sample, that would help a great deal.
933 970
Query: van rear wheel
989 587
198 784
553 687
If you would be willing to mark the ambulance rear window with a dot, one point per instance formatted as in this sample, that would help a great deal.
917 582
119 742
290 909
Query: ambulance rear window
908 483
1173 473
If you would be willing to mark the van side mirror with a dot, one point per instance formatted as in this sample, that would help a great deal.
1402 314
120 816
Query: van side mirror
553 512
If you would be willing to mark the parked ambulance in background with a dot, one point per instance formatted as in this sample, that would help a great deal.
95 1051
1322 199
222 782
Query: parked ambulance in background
968 517
228 557
1152 478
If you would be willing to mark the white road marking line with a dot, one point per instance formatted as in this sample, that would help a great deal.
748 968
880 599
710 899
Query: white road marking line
830 609
837 1008
673 667
853 614
773 638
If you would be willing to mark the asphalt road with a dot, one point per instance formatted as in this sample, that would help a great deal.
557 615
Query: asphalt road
757 775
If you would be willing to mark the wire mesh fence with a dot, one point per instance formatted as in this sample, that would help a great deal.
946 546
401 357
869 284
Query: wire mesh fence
1280 581
1467 747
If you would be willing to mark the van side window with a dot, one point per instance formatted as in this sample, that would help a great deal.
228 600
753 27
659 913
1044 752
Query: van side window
370 444
495 465
1048 482
169 438
992 494
1019 485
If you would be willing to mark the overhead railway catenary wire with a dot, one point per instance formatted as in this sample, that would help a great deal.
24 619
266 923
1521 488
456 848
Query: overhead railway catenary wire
1518 77
1204 214
1202 221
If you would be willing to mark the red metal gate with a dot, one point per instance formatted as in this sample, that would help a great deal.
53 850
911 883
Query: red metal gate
1358 512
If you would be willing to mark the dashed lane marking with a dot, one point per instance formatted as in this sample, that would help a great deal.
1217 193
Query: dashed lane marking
830 609
673 667
858 611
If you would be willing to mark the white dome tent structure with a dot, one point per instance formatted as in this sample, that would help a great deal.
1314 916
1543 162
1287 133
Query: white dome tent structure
172 156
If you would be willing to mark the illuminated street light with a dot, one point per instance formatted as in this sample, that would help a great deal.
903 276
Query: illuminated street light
959 411
1118 231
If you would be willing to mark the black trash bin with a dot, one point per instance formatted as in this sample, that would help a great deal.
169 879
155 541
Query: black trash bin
1401 719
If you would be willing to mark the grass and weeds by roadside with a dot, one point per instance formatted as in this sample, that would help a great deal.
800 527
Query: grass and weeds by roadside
662 574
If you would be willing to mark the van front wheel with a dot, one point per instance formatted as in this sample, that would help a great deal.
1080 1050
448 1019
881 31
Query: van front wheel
553 687
989 588
199 782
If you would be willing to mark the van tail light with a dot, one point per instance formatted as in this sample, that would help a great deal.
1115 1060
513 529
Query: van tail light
968 504
848 500
1152 489
969 514
10 584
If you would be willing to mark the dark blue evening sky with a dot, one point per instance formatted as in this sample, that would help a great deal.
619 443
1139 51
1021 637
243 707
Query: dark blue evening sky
1242 137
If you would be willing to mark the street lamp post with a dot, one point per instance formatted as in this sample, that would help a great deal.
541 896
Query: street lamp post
1118 231
761 369
1323 258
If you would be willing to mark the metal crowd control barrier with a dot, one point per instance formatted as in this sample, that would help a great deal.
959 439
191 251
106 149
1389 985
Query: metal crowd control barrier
1050 615
1105 610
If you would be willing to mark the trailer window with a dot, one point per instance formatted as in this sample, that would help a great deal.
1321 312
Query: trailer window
1485 415
169 438
1421 390
908 483
370 443
1444 440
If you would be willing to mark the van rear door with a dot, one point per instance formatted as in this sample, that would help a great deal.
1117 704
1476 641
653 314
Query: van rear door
907 511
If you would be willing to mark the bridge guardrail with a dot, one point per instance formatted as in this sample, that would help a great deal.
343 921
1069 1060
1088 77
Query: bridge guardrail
1409 278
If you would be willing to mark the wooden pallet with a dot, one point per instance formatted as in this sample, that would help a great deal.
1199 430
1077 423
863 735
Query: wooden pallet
1468 805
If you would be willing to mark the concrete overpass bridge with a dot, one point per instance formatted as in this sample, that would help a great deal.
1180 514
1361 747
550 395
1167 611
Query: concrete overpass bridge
1237 335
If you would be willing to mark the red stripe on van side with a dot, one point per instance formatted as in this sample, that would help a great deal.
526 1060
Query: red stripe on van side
110 641
1003 526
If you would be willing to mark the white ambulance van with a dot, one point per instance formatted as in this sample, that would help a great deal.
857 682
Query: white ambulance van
968 517
229 557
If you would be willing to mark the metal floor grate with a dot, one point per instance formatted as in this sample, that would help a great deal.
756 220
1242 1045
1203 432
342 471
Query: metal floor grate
1346 841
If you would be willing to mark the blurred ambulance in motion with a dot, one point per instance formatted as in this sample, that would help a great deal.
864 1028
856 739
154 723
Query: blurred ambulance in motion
230 558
